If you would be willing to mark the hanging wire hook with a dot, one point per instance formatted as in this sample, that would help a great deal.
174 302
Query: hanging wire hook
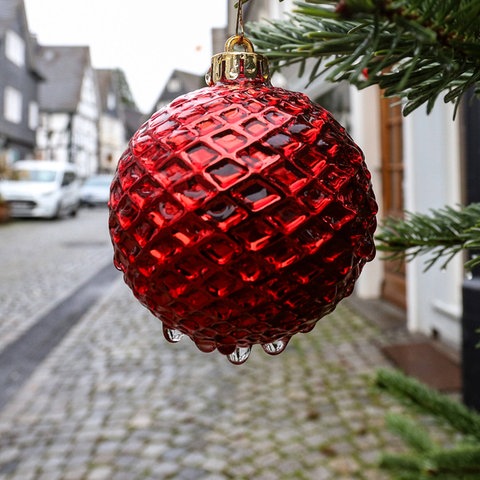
240 31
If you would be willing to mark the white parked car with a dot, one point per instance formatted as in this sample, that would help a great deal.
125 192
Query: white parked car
39 188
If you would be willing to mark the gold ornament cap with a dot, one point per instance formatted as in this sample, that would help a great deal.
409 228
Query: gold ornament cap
233 64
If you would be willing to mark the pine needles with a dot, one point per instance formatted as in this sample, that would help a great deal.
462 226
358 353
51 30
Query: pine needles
443 234
427 460
415 49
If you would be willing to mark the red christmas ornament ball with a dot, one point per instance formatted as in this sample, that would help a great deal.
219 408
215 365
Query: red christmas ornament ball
241 214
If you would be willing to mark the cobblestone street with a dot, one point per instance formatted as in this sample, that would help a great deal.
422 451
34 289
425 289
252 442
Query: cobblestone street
42 262
115 401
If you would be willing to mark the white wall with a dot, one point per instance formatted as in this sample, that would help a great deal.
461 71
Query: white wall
365 131
432 180
85 126
68 137
53 136
112 141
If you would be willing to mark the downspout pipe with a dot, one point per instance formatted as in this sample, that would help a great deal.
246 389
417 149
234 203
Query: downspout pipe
471 285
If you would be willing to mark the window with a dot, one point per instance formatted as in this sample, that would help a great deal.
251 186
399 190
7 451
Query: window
25 175
12 107
111 101
33 115
174 85
15 48
68 178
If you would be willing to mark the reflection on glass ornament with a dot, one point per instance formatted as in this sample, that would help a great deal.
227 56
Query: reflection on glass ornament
241 213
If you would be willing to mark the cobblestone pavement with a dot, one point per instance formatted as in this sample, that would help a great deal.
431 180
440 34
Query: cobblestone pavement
115 401
34 255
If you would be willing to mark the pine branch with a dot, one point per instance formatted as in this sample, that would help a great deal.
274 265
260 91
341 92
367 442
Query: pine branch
459 459
443 234
455 464
430 401
415 437
409 465
415 49
427 460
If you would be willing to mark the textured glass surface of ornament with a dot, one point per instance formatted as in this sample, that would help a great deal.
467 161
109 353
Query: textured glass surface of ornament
241 214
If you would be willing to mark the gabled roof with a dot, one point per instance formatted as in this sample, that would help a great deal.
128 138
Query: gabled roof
63 68
133 120
106 84
10 10
179 83
112 81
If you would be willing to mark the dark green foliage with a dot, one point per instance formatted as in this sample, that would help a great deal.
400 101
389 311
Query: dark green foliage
443 233
415 49
456 414
415 437
427 460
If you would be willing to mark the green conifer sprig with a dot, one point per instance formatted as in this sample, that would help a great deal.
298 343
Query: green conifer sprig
443 233
427 460
455 464
408 389
407 466
415 49
416 438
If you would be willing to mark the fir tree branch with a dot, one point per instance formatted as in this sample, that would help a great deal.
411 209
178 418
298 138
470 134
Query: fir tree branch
415 49
410 432
409 465
430 401
455 464
463 459
459 462
443 234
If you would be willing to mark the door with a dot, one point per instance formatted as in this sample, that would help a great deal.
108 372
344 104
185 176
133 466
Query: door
394 282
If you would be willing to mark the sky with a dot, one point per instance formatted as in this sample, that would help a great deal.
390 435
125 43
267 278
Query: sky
147 39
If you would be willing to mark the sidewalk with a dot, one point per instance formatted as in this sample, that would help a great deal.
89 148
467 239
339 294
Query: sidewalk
115 401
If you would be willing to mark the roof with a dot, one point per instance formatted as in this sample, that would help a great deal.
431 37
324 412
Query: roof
179 83
63 68
10 11
106 82
114 81
109 80
133 120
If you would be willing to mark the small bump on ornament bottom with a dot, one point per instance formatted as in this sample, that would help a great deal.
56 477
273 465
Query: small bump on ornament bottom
239 355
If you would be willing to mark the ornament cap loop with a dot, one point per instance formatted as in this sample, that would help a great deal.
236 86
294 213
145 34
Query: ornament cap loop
233 64
235 40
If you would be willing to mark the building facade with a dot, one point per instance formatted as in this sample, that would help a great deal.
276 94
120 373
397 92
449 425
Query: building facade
69 107
112 130
416 166
19 83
